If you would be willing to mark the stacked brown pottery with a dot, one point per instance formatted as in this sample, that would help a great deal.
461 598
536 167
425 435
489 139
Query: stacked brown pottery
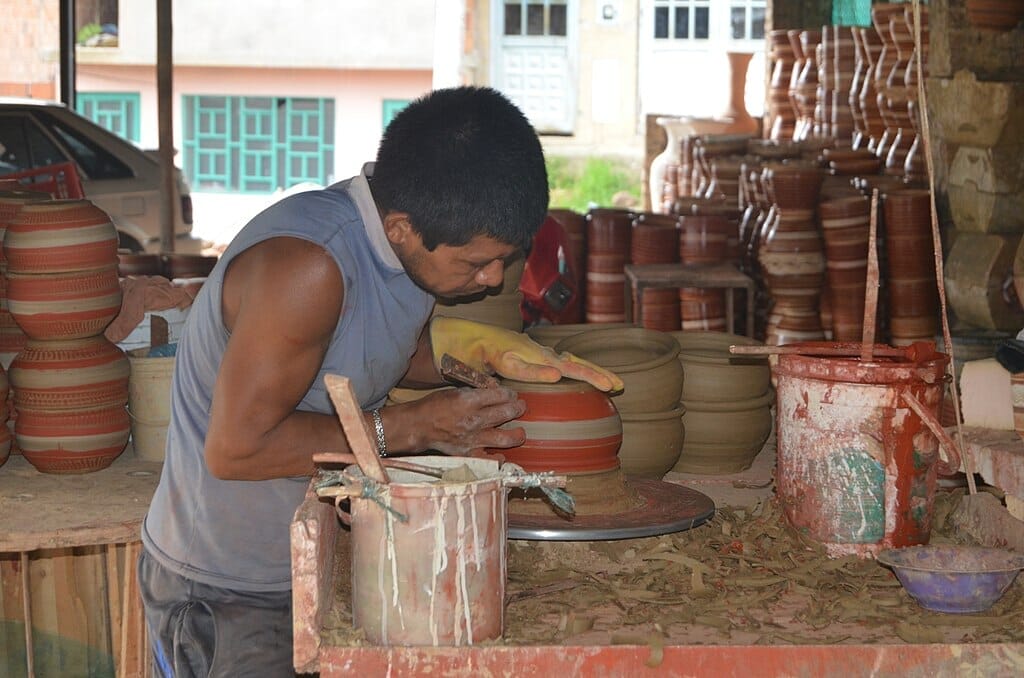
845 225
843 67
647 362
866 96
655 240
914 165
70 383
781 116
995 15
913 295
609 236
791 254
891 94
897 97
575 226
727 401
499 306
805 92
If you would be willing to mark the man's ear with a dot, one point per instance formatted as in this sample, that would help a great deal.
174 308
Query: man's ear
397 227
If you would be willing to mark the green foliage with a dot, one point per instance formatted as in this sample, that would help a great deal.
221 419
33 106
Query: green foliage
87 31
595 182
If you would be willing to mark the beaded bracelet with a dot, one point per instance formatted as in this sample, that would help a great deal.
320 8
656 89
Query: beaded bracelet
378 426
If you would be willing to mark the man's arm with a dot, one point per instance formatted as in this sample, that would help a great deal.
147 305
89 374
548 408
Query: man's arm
281 303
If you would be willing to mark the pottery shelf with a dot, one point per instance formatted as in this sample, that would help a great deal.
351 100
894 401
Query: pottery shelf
702 276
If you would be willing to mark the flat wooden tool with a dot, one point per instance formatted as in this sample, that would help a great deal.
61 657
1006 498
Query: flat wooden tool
361 440
454 369
914 351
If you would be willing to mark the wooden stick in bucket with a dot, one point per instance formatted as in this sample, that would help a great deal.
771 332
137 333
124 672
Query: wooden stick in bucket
356 429
871 290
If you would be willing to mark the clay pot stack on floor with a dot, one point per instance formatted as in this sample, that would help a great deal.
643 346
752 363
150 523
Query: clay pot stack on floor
609 236
791 254
70 383
497 306
913 297
845 225
727 403
655 240
647 362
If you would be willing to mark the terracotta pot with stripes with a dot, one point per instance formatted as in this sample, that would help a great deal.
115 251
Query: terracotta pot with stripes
571 427
72 305
70 375
72 441
58 236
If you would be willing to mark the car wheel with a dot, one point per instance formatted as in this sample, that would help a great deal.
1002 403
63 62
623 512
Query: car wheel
126 242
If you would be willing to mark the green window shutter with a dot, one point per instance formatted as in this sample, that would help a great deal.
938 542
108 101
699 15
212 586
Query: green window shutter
114 111
391 108
258 144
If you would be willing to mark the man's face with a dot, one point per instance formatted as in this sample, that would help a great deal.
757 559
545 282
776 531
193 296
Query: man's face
456 271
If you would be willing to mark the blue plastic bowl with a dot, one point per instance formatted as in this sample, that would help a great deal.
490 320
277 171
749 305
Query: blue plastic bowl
954 579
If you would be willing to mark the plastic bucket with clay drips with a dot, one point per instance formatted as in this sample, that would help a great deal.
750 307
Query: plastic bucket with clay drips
429 554
858 447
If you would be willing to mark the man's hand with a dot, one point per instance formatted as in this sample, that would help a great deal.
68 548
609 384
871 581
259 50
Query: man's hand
512 354
459 421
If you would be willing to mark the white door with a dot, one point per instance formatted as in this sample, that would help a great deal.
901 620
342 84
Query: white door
533 62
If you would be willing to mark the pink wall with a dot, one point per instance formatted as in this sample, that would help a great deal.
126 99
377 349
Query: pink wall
357 96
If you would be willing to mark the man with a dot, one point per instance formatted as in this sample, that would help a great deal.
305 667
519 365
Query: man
340 280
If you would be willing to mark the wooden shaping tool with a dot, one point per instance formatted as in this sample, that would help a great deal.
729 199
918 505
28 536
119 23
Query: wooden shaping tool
360 439
454 369
919 350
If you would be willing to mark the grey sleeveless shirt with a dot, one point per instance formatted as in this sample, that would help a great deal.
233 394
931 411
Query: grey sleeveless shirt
232 533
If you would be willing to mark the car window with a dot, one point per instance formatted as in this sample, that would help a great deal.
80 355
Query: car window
23 145
95 161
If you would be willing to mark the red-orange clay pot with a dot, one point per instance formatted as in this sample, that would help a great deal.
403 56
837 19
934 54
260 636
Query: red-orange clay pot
570 427
72 441
58 236
69 375
64 305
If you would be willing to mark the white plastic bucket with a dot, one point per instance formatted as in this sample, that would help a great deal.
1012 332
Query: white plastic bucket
149 403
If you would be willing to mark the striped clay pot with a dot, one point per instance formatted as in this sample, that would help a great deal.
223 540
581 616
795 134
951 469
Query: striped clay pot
58 236
571 427
11 202
64 305
12 337
72 441
70 375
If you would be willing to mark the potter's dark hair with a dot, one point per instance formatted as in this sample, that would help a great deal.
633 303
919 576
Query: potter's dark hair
463 162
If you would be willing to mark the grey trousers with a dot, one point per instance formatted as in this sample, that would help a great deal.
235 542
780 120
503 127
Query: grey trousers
200 631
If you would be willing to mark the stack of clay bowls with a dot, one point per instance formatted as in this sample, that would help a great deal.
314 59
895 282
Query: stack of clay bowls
70 383
609 236
842 66
727 401
863 96
805 89
499 306
647 362
913 293
846 225
891 89
655 240
708 234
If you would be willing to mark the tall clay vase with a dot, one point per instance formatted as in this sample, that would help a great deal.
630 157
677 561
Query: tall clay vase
675 130
742 121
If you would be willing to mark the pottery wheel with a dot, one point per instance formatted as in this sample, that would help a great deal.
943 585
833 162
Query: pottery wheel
664 508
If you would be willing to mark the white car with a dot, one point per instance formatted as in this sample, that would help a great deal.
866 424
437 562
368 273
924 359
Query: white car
117 176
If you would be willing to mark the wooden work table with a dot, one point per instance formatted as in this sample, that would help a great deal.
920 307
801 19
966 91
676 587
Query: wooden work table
68 551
